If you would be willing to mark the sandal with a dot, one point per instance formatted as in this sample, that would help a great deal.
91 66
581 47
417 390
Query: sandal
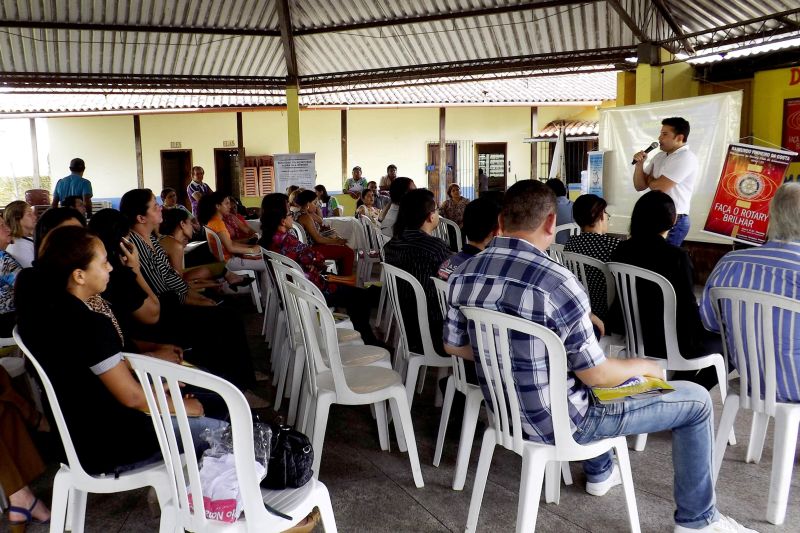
20 525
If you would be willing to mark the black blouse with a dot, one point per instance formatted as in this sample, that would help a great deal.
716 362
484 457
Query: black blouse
75 346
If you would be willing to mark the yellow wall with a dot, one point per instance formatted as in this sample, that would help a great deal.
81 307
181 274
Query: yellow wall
377 138
497 125
678 81
198 132
105 143
770 89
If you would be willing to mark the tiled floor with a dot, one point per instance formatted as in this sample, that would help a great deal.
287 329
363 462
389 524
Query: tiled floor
373 490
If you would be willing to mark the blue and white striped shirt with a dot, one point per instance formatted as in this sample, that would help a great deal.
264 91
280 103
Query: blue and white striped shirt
773 268
514 277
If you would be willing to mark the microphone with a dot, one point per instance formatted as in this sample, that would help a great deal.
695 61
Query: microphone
647 150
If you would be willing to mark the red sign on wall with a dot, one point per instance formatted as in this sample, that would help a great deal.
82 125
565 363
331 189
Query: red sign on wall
791 125
750 177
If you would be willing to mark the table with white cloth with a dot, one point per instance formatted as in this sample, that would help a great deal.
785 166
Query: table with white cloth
348 228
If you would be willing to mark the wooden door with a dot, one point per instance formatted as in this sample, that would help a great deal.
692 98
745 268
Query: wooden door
433 167
226 171
176 172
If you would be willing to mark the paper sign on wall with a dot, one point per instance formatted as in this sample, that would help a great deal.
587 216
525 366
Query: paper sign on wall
596 160
750 177
295 169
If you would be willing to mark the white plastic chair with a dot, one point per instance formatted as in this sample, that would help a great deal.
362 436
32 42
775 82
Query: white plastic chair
581 266
331 382
158 375
352 350
404 357
299 232
443 233
72 483
572 228
217 251
472 406
494 354
626 278
758 348
370 255
556 252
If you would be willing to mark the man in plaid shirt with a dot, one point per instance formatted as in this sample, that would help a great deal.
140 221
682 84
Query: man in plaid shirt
514 275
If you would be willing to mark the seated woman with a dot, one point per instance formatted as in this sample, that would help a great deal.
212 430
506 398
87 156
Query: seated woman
237 227
276 221
327 203
652 218
453 207
324 239
157 323
367 207
176 230
9 268
102 403
210 210
20 463
20 218
589 212
399 187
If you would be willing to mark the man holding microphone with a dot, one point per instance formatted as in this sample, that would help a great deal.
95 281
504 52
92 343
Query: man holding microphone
673 171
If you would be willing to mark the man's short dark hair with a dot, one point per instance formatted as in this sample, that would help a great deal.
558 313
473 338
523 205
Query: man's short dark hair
526 205
415 208
391 167
77 165
480 218
134 204
399 188
653 214
557 186
71 201
679 124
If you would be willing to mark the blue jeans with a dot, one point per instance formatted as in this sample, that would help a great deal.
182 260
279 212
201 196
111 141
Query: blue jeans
679 231
688 412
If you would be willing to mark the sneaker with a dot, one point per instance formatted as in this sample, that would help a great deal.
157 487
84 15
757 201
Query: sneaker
600 488
725 524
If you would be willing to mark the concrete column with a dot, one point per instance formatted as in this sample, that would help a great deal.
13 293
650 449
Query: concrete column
293 118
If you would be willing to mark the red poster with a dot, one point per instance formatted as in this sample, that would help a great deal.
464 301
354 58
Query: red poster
750 177
791 124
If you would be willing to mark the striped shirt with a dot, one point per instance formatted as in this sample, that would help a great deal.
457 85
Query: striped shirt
513 277
773 268
156 268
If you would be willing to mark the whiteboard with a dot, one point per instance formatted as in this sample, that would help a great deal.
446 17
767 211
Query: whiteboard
714 122
295 169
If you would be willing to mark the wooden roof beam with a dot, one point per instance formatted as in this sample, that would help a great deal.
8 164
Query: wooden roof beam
433 17
676 29
629 22
147 28
287 40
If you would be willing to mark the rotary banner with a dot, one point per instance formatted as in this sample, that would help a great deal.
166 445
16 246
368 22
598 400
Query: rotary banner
750 177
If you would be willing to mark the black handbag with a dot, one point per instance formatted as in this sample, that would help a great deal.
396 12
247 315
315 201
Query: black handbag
290 461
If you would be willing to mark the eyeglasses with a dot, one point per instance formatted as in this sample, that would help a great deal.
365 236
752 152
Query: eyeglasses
607 214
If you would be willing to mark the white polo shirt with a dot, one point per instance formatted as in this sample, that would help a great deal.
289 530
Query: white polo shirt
681 167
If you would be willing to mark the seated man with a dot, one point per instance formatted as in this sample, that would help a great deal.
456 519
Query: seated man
514 275
772 268
416 251
480 227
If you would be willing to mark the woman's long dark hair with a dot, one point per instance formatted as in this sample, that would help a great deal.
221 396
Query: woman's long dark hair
415 207
325 196
273 210
653 214
207 206
171 219
49 220
588 209
111 226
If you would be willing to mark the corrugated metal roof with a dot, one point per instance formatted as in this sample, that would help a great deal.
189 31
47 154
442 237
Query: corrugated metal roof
239 44
584 87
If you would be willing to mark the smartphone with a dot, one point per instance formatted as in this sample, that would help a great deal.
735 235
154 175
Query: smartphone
128 243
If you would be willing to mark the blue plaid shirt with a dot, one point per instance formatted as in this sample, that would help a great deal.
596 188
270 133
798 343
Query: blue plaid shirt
773 268
514 277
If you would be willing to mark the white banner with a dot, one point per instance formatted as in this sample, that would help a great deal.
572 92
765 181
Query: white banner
714 121
295 169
